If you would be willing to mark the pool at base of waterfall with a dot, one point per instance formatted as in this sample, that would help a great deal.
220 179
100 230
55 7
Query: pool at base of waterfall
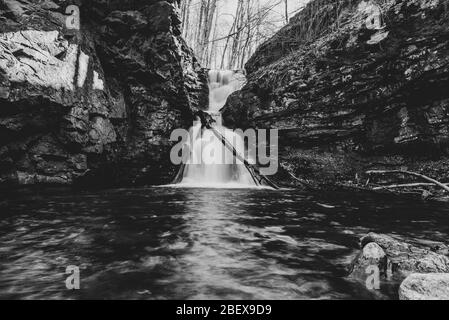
198 243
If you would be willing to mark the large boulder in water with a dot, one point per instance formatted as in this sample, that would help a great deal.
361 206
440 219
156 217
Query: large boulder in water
431 286
395 259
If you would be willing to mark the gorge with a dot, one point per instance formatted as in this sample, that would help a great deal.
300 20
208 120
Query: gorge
363 88
98 104
88 107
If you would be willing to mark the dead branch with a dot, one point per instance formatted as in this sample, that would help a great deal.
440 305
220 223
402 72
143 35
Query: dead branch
426 178
407 185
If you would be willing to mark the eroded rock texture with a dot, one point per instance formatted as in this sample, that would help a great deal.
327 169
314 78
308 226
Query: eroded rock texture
432 286
354 85
394 261
98 102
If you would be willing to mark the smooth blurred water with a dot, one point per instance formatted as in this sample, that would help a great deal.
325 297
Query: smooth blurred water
175 243
210 163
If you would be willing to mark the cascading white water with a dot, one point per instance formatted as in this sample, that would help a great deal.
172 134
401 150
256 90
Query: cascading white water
209 161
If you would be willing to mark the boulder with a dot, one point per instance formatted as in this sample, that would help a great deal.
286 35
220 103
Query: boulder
406 258
395 259
430 286
372 255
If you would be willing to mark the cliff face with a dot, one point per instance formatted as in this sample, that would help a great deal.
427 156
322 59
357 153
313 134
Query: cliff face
96 102
354 85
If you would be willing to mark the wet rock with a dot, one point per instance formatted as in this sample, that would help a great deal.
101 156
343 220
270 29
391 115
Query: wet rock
98 103
431 286
372 255
353 86
40 58
395 259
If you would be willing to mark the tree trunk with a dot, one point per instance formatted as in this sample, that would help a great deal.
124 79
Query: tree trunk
209 17
286 11
441 185
186 19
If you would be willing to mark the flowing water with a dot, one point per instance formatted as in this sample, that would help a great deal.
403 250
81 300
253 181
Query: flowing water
213 236
210 163
187 243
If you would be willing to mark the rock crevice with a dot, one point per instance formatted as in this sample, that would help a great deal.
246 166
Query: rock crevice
353 85
96 103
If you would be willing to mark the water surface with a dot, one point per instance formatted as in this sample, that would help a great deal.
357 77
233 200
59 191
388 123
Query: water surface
175 243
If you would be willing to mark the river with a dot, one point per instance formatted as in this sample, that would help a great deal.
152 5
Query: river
187 243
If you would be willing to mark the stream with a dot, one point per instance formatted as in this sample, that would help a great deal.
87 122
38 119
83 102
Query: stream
199 243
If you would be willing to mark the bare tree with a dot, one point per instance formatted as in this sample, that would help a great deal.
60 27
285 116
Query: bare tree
226 39
286 11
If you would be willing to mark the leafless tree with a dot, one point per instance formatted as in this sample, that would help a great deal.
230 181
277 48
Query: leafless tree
225 37
286 11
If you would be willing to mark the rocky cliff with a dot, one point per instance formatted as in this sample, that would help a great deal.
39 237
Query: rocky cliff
93 99
354 85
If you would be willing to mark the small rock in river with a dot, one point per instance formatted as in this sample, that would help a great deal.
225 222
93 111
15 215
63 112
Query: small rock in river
372 251
371 255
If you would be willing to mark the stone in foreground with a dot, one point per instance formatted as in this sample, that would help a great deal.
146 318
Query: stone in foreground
396 260
431 286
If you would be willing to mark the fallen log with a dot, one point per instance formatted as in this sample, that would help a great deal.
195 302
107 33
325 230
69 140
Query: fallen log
407 185
180 175
255 173
426 178
302 182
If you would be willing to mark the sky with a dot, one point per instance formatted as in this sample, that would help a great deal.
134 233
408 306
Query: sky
226 11
229 6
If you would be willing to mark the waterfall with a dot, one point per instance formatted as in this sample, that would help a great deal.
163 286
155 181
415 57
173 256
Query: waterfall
210 163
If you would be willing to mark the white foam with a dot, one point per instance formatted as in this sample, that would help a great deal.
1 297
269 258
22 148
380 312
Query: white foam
231 185
210 163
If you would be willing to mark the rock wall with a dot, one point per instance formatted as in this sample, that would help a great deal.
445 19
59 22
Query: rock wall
354 85
95 103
